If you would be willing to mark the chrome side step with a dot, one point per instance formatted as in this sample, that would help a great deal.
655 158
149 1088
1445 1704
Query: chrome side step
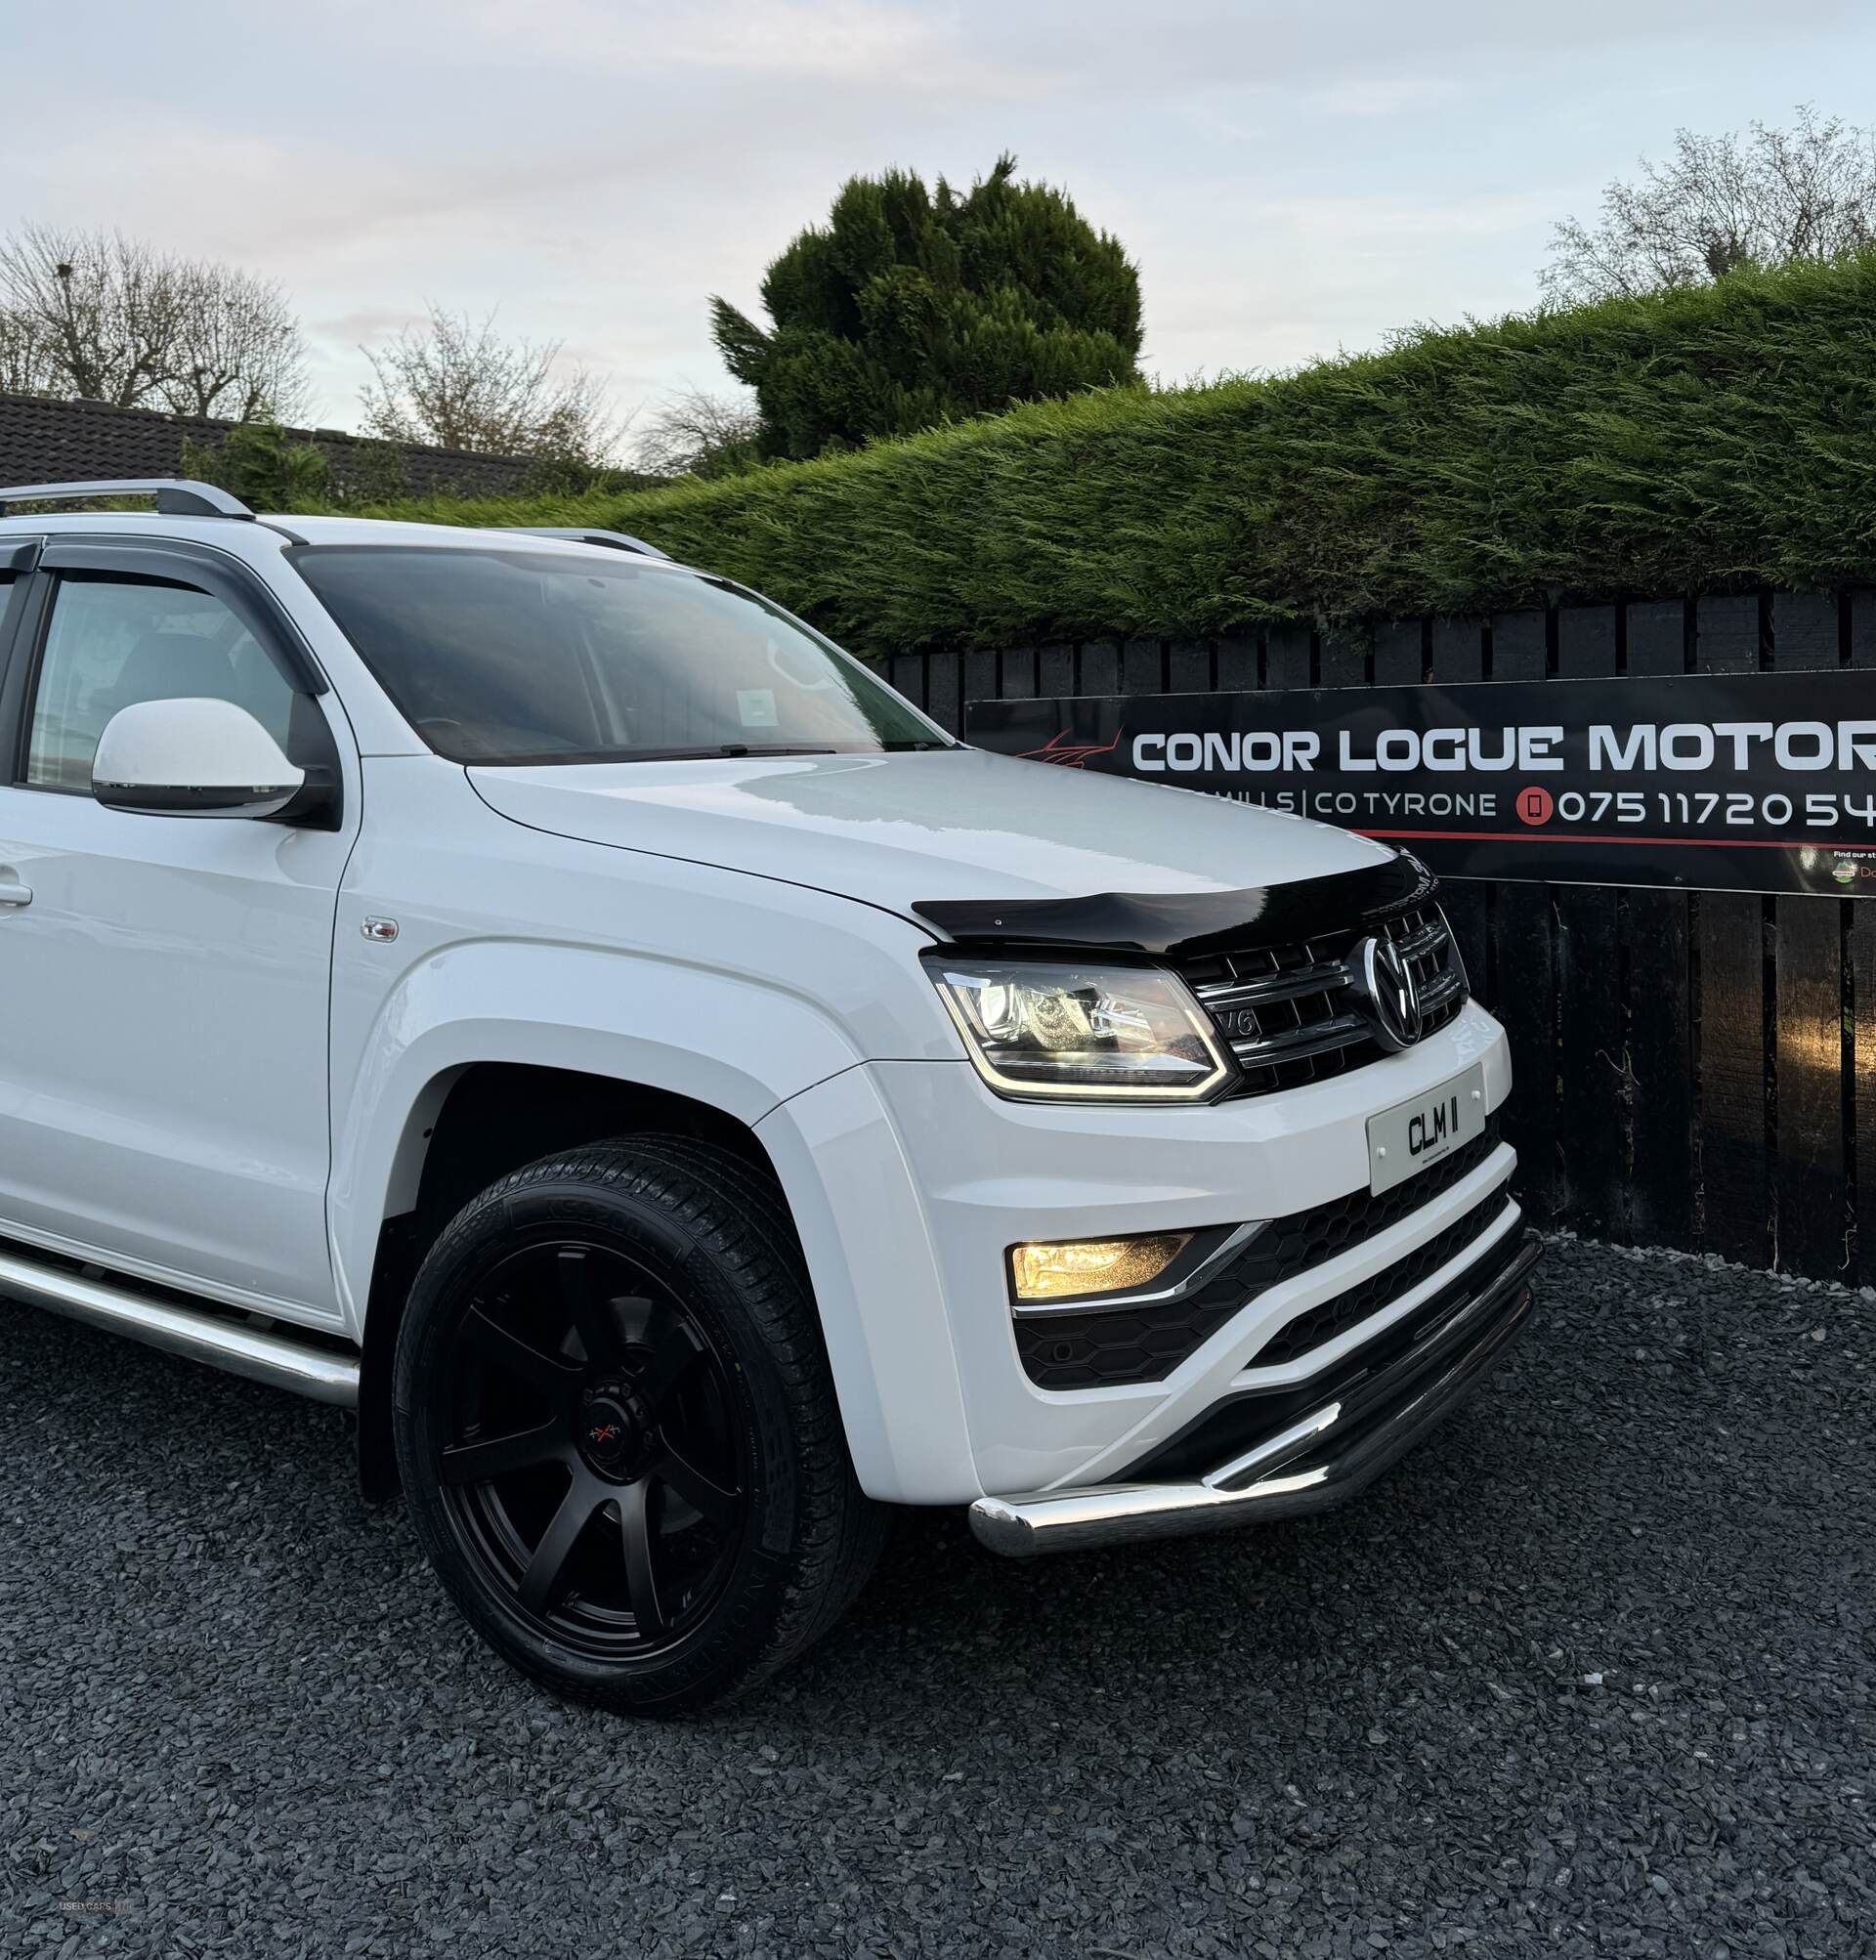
196 1334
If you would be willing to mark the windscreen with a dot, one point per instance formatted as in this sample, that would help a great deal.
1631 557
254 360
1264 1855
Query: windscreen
520 655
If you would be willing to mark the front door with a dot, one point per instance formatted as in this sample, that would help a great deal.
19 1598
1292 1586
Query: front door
163 980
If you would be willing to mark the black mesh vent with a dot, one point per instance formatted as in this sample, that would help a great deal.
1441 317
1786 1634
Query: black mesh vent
1095 1350
1317 1326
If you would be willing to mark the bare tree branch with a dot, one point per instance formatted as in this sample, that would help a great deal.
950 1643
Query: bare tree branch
694 434
459 385
239 355
24 368
113 321
1719 203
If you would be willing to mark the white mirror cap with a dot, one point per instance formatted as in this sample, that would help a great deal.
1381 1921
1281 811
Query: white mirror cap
200 750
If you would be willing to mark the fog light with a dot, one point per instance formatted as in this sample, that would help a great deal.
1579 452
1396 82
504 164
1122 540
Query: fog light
1063 1268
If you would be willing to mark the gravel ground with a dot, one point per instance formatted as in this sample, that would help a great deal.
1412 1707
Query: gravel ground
1593 1673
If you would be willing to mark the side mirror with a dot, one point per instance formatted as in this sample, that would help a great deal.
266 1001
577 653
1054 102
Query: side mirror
192 759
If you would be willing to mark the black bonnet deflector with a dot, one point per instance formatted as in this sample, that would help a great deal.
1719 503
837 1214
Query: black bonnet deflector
1183 926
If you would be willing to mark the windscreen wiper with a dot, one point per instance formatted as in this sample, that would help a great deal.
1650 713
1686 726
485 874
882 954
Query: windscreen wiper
744 748
722 749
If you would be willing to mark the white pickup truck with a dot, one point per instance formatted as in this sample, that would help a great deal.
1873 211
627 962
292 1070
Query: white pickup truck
555 1003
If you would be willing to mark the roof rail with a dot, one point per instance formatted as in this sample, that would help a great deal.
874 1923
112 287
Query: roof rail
578 534
175 496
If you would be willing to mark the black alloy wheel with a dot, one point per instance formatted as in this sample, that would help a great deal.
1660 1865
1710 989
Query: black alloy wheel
596 1467
616 1427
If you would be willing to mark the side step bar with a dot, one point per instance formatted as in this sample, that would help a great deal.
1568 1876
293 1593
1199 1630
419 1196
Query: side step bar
196 1334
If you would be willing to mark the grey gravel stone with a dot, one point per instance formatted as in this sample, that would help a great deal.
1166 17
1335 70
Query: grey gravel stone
1590 1673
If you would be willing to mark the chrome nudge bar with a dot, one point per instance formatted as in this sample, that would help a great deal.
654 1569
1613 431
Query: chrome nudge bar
1314 1464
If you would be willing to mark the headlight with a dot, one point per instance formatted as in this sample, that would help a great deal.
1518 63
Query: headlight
1110 1034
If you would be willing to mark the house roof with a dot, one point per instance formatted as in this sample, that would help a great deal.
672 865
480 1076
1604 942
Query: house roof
44 441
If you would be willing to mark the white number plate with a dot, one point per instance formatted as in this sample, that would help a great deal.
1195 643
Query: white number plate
1413 1134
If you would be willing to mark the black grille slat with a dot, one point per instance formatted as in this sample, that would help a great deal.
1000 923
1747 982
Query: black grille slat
1277 985
1312 1035
1284 1032
1096 1349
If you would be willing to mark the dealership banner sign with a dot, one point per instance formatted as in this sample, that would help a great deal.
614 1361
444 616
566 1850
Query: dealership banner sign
1763 781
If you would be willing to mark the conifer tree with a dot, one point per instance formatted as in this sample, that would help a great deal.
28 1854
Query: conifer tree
914 307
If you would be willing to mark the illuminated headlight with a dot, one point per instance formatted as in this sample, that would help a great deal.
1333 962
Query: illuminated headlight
1107 1033
1073 1268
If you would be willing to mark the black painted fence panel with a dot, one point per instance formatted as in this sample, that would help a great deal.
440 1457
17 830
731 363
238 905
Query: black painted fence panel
1696 1069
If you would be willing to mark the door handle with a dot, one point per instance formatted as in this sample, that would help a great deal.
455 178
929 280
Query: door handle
13 893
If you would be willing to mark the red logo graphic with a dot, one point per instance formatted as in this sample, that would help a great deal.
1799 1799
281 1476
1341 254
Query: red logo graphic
1535 805
1070 754
603 1433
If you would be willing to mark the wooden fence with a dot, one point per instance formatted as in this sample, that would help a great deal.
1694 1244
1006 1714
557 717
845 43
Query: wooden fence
1696 1069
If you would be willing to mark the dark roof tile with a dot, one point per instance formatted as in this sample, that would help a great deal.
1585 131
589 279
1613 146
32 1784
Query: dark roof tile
44 441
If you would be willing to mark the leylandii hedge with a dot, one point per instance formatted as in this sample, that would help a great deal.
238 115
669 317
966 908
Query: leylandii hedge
1697 438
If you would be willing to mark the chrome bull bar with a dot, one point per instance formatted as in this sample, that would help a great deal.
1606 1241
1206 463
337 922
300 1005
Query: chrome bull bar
1313 1465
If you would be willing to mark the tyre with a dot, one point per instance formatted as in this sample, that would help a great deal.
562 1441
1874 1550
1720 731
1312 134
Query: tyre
617 1432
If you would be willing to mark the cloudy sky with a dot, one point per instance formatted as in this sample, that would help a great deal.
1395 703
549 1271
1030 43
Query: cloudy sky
1292 180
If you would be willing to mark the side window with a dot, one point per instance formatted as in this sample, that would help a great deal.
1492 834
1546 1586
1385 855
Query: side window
114 641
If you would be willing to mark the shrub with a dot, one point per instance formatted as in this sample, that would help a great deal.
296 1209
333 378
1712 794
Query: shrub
367 469
916 307
259 463
1708 437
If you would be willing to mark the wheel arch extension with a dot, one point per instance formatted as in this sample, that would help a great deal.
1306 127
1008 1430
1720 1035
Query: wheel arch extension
472 1124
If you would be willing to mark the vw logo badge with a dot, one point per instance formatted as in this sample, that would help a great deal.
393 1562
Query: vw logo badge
1389 994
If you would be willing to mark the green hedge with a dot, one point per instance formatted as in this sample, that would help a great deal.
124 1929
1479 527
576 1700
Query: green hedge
1692 441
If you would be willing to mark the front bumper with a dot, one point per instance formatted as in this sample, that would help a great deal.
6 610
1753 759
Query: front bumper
1364 1424
908 1181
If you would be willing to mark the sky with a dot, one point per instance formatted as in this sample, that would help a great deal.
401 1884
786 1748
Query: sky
1292 180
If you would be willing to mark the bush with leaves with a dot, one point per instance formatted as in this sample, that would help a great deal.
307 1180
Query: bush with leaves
367 469
268 469
914 307
557 476
1703 437
260 464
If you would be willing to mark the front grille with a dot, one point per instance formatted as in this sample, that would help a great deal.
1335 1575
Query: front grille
1098 1349
1289 1014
